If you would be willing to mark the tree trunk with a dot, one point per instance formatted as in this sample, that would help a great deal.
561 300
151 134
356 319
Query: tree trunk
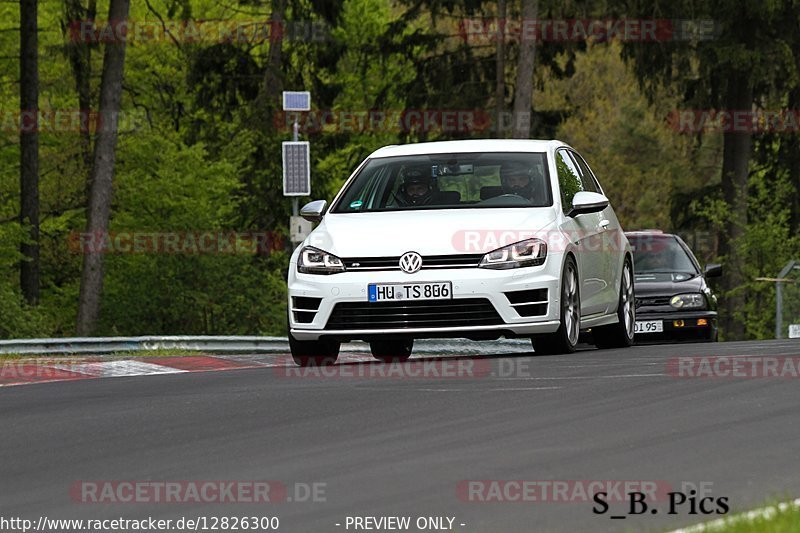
273 83
100 193
791 153
500 90
29 148
523 92
80 55
736 151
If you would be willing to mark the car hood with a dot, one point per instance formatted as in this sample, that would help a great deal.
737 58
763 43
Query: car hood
435 232
647 287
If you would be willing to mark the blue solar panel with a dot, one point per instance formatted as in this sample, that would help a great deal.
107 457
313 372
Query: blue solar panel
296 169
296 101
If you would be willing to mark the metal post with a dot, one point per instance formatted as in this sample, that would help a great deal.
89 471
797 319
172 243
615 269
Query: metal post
779 298
295 138
778 309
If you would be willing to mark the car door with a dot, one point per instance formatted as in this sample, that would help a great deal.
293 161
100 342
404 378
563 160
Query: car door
609 245
582 230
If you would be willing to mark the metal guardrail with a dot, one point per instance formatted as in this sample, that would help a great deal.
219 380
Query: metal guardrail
102 345
234 344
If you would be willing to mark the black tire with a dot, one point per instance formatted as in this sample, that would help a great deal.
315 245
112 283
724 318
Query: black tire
620 335
314 353
395 351
565 338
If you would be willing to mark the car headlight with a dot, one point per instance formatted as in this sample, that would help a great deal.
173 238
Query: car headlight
314 261
693 300
530 252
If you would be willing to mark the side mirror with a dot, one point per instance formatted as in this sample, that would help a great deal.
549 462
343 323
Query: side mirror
314 211
587 202
713 271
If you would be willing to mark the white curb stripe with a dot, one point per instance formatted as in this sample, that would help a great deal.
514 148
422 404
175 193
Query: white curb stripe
116 369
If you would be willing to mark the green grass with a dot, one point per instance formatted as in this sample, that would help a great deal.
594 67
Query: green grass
160 352
783 517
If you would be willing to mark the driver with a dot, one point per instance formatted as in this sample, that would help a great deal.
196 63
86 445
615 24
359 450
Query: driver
653 261
417 188
515 179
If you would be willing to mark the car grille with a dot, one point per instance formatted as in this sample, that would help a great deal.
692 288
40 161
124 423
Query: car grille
654 301
413 314
428 262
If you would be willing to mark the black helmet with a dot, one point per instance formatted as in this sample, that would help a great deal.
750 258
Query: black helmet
508 172
413 177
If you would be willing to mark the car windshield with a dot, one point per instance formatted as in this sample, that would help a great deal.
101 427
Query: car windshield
654 254
448 181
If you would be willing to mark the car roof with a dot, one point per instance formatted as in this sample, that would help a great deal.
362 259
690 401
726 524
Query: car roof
467 146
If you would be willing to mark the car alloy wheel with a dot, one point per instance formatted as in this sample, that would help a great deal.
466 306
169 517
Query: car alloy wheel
565 338
572 312
628 300
620 335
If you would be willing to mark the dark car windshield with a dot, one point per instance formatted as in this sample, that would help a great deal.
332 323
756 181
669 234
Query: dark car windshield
449 181
655 254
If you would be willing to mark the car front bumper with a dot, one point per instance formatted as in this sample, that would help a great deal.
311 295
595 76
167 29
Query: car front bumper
680 326
469 285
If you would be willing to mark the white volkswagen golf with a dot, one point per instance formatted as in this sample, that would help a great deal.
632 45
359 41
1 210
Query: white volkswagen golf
474 239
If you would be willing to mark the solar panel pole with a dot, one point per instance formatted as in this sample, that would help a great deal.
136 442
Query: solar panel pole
295 138
296 101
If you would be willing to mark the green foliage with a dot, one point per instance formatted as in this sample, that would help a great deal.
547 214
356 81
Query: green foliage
628 143
16 318
210 295
201 149
767 245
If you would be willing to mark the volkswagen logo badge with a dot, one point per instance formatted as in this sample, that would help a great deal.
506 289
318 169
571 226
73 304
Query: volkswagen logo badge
410 262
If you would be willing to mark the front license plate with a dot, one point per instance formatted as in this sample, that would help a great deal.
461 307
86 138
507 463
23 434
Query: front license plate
649 326
442 290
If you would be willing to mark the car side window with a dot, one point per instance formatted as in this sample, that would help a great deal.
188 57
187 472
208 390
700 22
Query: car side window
569 180
587 179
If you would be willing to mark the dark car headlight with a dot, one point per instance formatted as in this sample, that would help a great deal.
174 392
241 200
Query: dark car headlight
314 261
693 300
530 252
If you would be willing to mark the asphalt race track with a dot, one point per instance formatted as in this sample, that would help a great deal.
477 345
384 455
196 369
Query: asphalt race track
402 445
